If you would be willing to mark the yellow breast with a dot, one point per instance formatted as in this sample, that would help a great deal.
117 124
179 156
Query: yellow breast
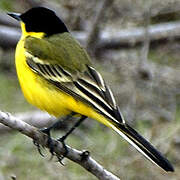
36 90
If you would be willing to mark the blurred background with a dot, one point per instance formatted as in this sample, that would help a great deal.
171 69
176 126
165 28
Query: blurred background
135 44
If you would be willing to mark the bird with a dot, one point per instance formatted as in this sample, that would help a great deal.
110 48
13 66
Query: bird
57 76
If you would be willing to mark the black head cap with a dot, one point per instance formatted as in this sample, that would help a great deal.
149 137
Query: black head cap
40 19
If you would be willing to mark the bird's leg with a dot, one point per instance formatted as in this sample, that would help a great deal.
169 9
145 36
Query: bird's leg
56 124
38 147
48 132
72 129
63 138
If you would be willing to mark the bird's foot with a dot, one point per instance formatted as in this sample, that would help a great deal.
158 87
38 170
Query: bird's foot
50 144
60 158
38 146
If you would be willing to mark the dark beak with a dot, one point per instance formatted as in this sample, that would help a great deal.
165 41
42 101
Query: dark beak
15 16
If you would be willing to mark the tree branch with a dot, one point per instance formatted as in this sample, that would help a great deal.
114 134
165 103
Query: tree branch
40 119
122 38
37 119
80 157
135 36
7 20
9 36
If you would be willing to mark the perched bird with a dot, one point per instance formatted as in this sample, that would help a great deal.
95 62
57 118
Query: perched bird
57 76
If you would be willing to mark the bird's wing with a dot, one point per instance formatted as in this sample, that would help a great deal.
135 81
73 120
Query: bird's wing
86 84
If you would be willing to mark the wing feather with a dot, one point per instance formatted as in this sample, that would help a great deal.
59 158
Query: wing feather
88 87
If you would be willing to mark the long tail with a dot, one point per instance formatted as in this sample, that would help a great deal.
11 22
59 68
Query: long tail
143 146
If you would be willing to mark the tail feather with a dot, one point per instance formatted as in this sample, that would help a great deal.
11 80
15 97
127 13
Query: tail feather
143 146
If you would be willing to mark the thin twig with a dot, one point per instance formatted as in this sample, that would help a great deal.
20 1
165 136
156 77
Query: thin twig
143 68
80 157
146 43
94 32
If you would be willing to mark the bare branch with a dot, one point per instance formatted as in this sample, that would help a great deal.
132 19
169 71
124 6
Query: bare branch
122 38
9 36
40 119
80 157
135 36
7 20
37 119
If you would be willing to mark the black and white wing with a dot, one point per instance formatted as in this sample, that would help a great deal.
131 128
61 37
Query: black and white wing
88 86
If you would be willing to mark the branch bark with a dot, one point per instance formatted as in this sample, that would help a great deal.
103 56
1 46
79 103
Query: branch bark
80 157
135 36
122 38
37 119
9 36
7 20
40 119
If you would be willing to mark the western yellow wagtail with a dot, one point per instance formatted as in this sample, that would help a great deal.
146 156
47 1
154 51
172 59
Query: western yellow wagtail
56 75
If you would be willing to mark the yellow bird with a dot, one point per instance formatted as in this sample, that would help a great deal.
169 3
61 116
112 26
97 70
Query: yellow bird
56 75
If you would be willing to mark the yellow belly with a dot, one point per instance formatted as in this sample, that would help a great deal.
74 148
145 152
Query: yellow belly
47 97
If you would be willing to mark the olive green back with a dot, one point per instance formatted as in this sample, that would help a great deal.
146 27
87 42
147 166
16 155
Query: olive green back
60 49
